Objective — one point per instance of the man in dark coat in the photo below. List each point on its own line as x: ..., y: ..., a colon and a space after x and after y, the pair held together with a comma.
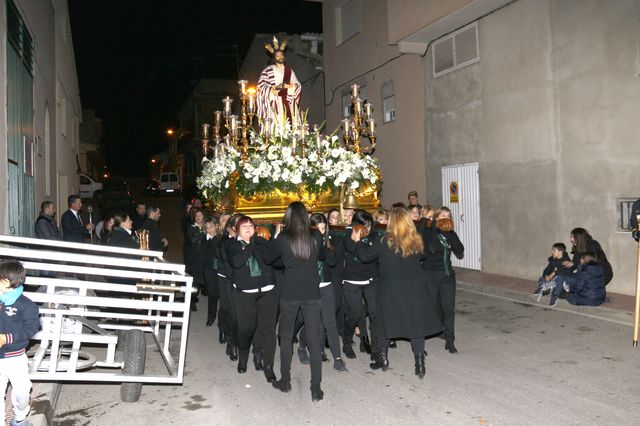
x: 156, y: 241
x: 633, y: 220
x: 46, y: 226
x: 139, y: 216
x: 73, y: 229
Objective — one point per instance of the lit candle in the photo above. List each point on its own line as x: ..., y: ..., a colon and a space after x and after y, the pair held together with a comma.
x: 251, y: 102
x: 372, y: 126
x: 243, y: 87
x: 227, y: 140
x: 217, y: 118
x: 227, y: 106
x: 233, y: 122
x: 367, y: 109
x: 355, y: 90
x: 346, y: 123
x: 266, y: 128
x: 357, y: 105
x: 304, y: 130
x: 205, y: 131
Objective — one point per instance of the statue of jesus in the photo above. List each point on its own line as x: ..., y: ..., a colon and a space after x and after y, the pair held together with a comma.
x: 278, y: 88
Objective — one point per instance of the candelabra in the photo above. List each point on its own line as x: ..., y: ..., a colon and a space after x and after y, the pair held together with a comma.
x: 362, y: 124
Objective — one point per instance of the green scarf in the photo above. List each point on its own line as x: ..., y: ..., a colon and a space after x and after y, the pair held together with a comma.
x: 254, y: 267
x: 321, y: 271
x: 448, y: 269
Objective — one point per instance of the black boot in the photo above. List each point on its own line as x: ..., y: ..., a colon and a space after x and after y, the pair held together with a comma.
x: 420, y: 369
x: 257, y: 360
x: 209, y: 321
x: 449, y: 346
x: 282, y: 385
x: 365, y: 345
x: 392, y: 344
x: 222, y: 338
x: 269, y: 374
x: 316, y: 392
x: 381, y: 362
x: 347, y: 348
x: 242, y: 362
x: 233, y: 352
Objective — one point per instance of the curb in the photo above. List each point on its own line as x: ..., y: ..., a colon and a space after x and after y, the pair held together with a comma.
x: 598, y: 312
x: 44, y: 397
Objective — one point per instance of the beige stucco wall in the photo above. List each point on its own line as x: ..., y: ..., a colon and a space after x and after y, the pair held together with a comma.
x: 549, y: 113
x: 401, y: 149
x: 405, y: 17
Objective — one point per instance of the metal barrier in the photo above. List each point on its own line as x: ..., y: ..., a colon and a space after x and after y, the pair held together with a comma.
x: 91, y: 310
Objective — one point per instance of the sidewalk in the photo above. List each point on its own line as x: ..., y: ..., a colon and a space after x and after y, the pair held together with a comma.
x: 618, y: 308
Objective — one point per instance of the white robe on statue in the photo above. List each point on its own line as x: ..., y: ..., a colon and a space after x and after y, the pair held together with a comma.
x: 285, y: 102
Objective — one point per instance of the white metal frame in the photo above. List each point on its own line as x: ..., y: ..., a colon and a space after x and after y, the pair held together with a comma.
x: 150, y: 306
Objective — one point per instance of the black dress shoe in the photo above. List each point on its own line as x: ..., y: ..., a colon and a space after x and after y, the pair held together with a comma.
x: 325, y: 358
x: 204, y: 291
x: 194, y: 307
x: 209, y: 323
x: 392, y: 344
x: 257, y: 360
x: 348, y: 351
x: 303, y: 356
x: 222, y: 338
x: 242, y: 366
x: 282, y: 385
x: 449, y: 346
x: 381, y: 362
x: 269, y: 374
x: 228, y: 351
x: 316, y: 392
x: 233, y: 354
x: 420, y: 368
x: 364, y: 342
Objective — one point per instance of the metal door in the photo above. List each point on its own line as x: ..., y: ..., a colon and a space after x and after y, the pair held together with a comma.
x: 461, y: 193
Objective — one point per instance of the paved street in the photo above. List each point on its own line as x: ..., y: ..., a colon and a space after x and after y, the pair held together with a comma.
x: 518, y: 364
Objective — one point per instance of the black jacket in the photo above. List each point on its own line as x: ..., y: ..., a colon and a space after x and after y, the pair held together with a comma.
x: 437, y: 257
x: 18, y: 322
x: 587, y: 287
x: 555, y: 265
x: 121, y: 238
x: 155, y: 238
x: 47, y: 228
x: 595, y: 247
x: 72, y: 229
x: 354, y: 269
x: 240, y: 255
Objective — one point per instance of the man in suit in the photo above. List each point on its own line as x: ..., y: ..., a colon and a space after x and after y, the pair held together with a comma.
x: 156, y: 241
x: 73, y: 228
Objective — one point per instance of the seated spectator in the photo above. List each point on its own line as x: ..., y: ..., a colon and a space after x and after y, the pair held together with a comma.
x: 586, y: 286
x: 547, y: 282
x: 582, y: 243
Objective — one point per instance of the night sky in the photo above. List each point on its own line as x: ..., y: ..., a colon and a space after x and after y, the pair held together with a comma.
x: 138, y: 60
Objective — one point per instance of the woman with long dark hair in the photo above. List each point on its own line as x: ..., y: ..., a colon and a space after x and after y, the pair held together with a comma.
x: 405, y: 306
x: 327, y: 297
x: 583, y: 242
x: 255, y: 298
x: 300, y: 249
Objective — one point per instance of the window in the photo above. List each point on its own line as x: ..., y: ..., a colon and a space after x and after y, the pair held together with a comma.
x: 624, y: 213
x: 348, y: 20
x: 18, y: 36
x: 388, y: 102
x: 456, y: 50
x: 84, y: 180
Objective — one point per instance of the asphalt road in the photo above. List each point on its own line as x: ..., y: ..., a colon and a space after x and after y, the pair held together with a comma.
x: 518, y: 364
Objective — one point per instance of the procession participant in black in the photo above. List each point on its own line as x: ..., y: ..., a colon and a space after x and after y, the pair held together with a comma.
x: 358, y: 283
x: 255, y: 297
x: 300, y: 249
x: 440, y: 240
x: 209, y: 249
x: 225, y: 284
x: 193, y: 256
x: 335, y: 237
x: 328, y: 299
x: 73, y: 229
x: 405, y: 305
x: 122, y: 234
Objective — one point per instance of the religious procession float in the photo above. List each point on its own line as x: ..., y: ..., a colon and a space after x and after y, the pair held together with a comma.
x: 260, y: 171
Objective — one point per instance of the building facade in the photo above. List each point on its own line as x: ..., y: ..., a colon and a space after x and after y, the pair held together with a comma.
x: 40, y: 111
x: 537, y: 96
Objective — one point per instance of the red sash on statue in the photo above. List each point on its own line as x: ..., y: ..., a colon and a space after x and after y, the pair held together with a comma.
x: 283, y: 92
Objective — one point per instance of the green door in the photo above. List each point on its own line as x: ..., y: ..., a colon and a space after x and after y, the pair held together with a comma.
x: 20, y: 124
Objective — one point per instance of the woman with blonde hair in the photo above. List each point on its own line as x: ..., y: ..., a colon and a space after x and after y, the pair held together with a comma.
x: 405, y: 306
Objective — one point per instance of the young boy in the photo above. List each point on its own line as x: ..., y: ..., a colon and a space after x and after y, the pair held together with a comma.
x: 547, y: 282
x: 19, y: 321
x: 586, y: 286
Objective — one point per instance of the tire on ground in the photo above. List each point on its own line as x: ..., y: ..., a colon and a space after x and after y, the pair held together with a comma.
x: 135, y: 351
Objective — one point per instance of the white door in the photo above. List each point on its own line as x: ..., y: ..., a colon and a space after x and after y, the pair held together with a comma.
x: 461, y: 193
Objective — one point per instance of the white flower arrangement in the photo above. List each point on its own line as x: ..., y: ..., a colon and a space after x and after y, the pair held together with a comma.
x: 272, y: 164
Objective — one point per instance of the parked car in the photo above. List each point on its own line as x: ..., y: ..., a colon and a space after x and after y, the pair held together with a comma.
x: 152, y: 187
x: 115, y: 197
x: 169, y: 182
x: 89, y: 188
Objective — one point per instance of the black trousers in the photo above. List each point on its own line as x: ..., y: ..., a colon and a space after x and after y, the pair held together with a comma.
x: 257, y: 312
x: 228, y: 320
x: 443, y: 290
x: 311, y: 313
x: 353, y: 295
x: 213, y: 290
x: 328, y: 310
